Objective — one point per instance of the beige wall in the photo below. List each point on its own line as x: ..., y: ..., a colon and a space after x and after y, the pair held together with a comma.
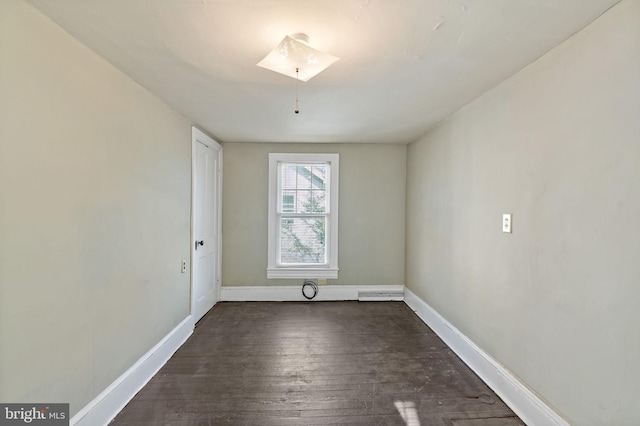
x: 371, y: 213
x: 94, y: 215
x: 557, y: 145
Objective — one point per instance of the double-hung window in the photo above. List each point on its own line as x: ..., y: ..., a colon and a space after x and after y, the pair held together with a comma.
x: 303, y: 216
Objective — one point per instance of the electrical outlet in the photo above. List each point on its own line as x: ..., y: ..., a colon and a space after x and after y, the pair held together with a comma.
x: 184, y: 266
x: 506, y: 223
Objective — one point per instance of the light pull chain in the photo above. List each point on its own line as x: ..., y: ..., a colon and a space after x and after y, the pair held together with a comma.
x: 297, y: 111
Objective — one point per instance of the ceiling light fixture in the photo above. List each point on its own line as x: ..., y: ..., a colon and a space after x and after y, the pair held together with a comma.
x: 294, y: 57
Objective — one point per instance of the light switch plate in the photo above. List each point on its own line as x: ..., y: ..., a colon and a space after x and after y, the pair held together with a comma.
x: 506, y: 222
x: 183, y: 267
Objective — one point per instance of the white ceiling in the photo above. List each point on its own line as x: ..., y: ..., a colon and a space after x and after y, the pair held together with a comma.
x: 405, y: 64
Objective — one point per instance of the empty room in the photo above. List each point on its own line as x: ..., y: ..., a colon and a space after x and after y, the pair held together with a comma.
x: 279, y: 212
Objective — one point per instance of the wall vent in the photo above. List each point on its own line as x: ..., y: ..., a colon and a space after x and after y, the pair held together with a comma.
x: 383, y: 295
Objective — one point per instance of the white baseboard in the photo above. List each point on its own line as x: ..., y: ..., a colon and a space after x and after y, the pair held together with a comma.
x: 103, y: 408
x: 528, y: 406
x: 325, y: 293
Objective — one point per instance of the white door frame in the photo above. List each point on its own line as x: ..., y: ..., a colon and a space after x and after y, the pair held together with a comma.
x: 198, y: 136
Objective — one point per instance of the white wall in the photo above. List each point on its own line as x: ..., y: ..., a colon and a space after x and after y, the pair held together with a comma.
x: 94, y: 215
x: 371, y: 213
x: 557, y: 145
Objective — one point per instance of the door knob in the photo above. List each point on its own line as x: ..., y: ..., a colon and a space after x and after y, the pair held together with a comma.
x: 199, y: 243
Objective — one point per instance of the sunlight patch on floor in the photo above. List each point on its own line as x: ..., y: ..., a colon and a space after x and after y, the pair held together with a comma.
x: 408, y: 412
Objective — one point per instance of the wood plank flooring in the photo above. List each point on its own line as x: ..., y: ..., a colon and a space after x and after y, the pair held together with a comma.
x: 315, y: 363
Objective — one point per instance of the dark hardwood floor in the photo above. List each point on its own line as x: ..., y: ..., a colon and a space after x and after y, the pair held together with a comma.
x: 320, y: 363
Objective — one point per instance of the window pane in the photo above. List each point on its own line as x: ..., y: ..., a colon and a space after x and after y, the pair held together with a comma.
x: 288, y: 201
x: 304, y: 177
x: 289, y: 176
x: 302, y: 240
x: 315, y: 202
x: 304, y: 188
x: 319, y: 176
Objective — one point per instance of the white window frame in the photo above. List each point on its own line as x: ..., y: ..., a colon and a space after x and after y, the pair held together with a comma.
x: 329, y: 270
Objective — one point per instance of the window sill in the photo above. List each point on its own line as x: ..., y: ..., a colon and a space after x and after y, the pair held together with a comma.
x: 302, y: 273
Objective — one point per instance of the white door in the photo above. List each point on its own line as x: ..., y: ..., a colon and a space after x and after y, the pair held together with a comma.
x: 206, y: 224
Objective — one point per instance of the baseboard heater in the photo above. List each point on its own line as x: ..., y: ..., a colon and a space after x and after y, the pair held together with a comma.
x: 383, y: 295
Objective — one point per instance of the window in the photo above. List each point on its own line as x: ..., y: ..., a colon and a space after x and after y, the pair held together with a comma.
x: 303, y: 216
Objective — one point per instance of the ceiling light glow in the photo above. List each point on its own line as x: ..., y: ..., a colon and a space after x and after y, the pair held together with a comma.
x: 294, y: 57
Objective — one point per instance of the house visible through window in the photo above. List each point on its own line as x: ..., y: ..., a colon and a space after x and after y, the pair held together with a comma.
x: 303, y: 219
